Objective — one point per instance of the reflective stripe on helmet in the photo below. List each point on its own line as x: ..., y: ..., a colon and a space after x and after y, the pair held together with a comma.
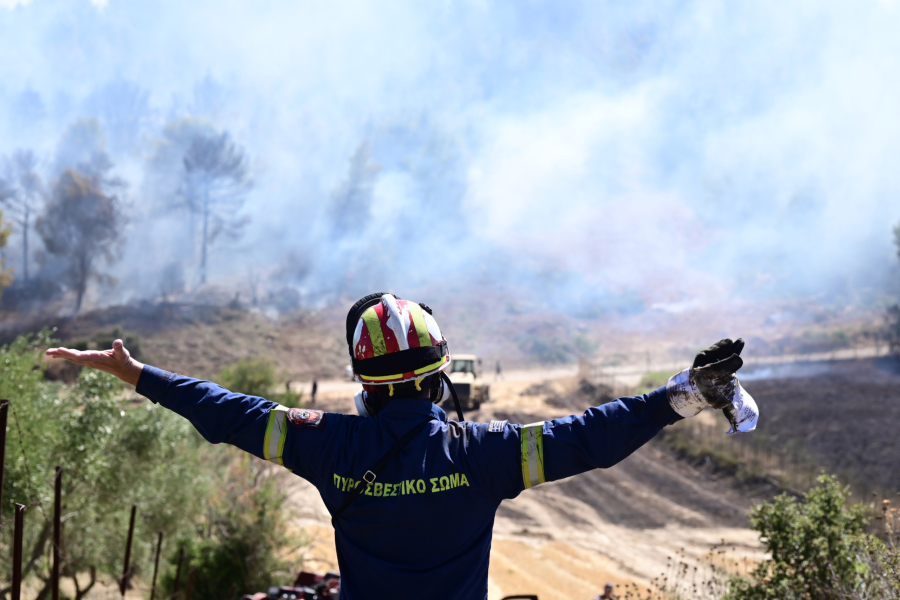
x: 276, y: 434
x: 375, y: 336
x: 418, y: 319
x: 400, y: 377
x: 533, y: 454
x: 432, y: 366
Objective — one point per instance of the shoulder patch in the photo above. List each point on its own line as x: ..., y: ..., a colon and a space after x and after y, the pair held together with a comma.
x: 304, y: 417
x: 497, y: 426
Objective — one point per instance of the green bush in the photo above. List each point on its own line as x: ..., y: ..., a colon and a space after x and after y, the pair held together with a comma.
x: 236, y: 549
x: 116, y: 453
x: 113, y: 455
x: 251, y: 376
x: 819, y: 550
x: 256, y: 377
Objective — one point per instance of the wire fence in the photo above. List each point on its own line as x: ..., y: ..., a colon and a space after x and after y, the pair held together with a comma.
x: 107, y: 590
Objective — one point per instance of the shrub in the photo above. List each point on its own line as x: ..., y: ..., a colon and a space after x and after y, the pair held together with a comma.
x: 256, y: 377
x: 250, y: 376
x: 818, y: 548
x: 117, y: 453
x: 236, y: 549
x: 113, y: 455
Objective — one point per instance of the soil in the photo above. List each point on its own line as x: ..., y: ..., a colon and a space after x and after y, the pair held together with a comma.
x: 563, y: 539
x: 842, y: 415
x: 200, y: 340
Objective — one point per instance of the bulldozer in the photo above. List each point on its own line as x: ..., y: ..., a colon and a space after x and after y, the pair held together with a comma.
x: 464, y: 372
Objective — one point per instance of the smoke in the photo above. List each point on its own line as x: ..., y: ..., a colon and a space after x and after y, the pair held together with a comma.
x: 600, y: 156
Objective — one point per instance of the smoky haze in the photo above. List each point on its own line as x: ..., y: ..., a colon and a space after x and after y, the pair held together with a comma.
x: 597, y: 156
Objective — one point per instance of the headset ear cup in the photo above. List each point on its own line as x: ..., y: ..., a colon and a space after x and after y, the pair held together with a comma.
x: 439, y: 391
x: 359, y: 400
x: 449, y: 385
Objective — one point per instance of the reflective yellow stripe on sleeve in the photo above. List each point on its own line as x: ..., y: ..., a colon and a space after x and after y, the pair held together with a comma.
x: 276, y: 434
x: 533, y: 454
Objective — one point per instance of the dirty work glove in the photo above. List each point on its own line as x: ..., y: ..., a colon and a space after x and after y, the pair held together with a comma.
x: 711, y: 381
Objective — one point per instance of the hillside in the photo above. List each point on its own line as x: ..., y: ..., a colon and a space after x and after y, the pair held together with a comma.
x: 563, y: 539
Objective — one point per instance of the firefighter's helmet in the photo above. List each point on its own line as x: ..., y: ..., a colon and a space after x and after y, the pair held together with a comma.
x: 392, y: 341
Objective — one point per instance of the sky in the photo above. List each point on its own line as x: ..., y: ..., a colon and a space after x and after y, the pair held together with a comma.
x: 609, y: 155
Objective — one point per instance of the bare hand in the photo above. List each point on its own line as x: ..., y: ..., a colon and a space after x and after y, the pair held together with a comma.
x: 116, y: 361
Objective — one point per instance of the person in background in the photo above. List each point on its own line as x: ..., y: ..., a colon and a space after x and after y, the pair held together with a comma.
x: 312, y: 395
x: 607, y: 593
x: 499, y: 373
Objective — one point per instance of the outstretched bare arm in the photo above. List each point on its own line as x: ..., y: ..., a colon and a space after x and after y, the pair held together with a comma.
x: 116, y: 361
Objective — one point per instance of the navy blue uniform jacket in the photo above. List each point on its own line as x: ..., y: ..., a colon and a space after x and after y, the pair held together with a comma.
x: 423, y: 529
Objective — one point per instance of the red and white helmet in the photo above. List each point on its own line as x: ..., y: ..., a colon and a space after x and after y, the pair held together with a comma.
x: 392, y: 341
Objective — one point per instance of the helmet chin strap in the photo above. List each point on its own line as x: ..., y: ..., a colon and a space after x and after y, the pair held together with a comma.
x: 449, y: 385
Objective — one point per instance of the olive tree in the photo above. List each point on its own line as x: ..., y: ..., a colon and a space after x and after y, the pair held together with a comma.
x: 223, y: 506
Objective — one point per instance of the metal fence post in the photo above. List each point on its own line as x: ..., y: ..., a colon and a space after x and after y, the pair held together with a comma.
x: 190, y: 587
x: 57, y: 532
x: 4, y: 413
x: 156, y: 565
x: 17, y: 553
x: 124, y: 585
x: 178, y: 572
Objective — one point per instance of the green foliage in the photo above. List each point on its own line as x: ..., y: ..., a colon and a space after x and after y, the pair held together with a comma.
x: 113, y: 455
x: 83, y: 222
x: 250, y: 376
x: 116, y: 453
x: 256, y: 377
x: 238, y: 544
x: 818, y: 547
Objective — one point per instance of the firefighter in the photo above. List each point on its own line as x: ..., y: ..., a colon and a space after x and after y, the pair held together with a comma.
x: 413, y: 494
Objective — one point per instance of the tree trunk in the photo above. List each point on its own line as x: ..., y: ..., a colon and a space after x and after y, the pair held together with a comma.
x: 81, y: 277
x: 81, y: 593
x: 205, y: 234
x: 25, y: 223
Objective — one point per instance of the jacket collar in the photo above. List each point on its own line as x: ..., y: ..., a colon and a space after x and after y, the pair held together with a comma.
x: 410, y: 406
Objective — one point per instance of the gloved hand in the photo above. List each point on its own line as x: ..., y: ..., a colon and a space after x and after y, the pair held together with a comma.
x: 711, y: 381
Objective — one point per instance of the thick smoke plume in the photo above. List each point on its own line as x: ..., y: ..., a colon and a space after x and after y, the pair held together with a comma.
x: 588, y: 156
